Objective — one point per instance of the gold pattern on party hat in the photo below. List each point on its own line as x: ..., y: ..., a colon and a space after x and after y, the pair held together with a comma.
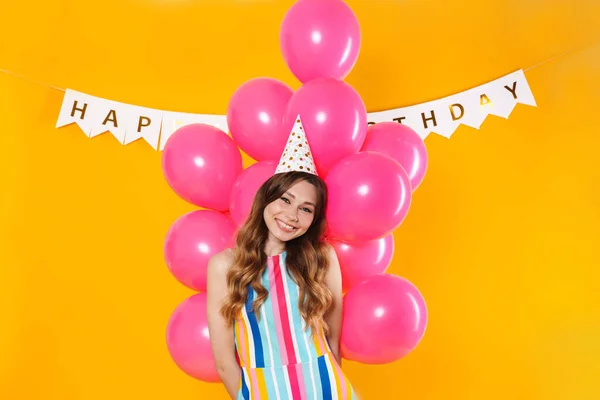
x: 297, y: 155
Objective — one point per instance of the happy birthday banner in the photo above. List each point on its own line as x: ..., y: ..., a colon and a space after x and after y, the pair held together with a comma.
x: 128, y: 123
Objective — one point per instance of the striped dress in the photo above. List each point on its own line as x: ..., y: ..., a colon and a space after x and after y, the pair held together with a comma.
x: 279, y: 359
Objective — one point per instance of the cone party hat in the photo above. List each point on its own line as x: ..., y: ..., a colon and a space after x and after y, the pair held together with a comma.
x: 297, y: 155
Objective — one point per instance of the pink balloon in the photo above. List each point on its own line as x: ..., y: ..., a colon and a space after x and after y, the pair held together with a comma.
x: 188, y: 340
x: 360, y: 261
x: 192, y: 240
x: 245, y: 188
x: 334, y: 118
x: 255, y: 117
x: 320, y: 39
x: 402, y: 144
x: 200, y: 163
x: 384, y: 319
x: 369, y: 196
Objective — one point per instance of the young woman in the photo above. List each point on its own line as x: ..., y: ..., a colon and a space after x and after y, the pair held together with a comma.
x: 275, y: 300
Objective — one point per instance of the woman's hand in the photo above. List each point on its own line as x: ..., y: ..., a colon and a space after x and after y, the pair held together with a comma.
x: 221, y: 335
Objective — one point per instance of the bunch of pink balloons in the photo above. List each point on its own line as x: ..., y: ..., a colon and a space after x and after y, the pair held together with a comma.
x: 371, y: 172
x: 201, y: 164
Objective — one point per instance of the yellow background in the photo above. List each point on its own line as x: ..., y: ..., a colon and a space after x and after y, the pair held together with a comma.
x: 500, y: 239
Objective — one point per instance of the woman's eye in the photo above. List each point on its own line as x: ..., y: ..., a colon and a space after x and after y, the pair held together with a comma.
x: 308, y: 210
x: 285, y: 200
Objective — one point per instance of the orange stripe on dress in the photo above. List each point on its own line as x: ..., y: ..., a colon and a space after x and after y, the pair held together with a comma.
x: 255, y: 390
x: 262, y: 385
x: 348, y: 389
x: 340, y: 381
x: 241, y: 350
x: 245, y: 342
x: 320, y: 346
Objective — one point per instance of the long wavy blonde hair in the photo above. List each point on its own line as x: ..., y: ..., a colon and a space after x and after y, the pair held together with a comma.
x: 306, y: 256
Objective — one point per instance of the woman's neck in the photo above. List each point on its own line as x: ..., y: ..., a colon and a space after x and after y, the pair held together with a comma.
x: 274, y: 246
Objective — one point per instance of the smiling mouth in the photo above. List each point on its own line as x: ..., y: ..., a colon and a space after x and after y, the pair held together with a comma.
x: 285, y: 227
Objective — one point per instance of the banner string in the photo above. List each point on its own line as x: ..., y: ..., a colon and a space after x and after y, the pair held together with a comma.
x: 539, y: 64
x: 4, y: 71
x: 584, y: 47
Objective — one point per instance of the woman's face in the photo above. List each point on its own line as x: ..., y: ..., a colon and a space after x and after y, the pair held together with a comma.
x: 292, y: 214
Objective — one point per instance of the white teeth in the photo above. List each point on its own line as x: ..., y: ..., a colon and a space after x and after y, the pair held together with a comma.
x: 285, y: 226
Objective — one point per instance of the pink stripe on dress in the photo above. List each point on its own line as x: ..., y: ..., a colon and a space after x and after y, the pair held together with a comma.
x: 294, y: 382
x: 273, y: 276
x: 242, y: 342
x: 283, y: 313
x: 340, y: 375
x: 300, y: 375
x: 255, y: 392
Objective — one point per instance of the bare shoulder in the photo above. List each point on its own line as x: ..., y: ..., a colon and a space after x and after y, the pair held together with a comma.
x: 220, y: 263
x: 332, y: 258
x: 331, y: 254
x: 333, y: 276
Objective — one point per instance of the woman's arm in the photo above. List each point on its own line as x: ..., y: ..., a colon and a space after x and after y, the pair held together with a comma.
x: 333, y: 280
x: 221, y: 335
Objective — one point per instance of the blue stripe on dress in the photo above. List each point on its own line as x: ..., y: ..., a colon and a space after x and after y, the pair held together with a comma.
x: 258, y: 348
x: 270, y: 340
x: 312, y: 377
x: 324, y: 375
x: 245, y: 392
x: 282, y: 383
x: 268, y: 328
x: 269, y: 375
